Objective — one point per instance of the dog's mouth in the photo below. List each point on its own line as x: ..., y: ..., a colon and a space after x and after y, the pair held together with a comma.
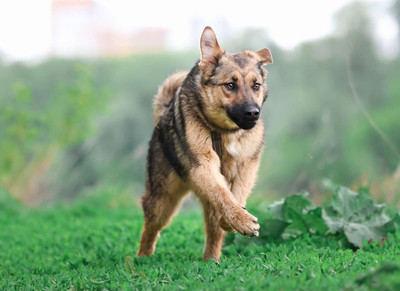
x: 244, y: 115
x: 246, y: 125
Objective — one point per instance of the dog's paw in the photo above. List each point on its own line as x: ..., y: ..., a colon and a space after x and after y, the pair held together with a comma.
x: 225, y: 225
x: 243, y: 222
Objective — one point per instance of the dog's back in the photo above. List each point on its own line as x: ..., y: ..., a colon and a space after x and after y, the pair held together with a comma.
x: 166, y: 93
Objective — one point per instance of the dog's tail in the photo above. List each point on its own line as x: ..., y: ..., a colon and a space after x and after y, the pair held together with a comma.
x: 165, y: 94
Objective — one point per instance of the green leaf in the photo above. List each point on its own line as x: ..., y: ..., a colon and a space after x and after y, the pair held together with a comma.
x: 335, y: 224
x: 385, y: 224
x: 295, y: 206
x: 358, y: 216
x: 297, y: 215
x: 273, y: 227
x: 315, y: 222
x: 353, y: 206
x: 356, y: 233
x: 352, y: 217
x: 297, y: 225
x: 277, y: 208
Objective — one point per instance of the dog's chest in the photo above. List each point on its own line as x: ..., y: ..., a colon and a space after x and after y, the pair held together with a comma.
x: 231, y: 160
x: 234, y: 149
x: 233, y: 155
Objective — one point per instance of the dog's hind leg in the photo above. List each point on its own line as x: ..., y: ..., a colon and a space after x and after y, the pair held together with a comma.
x: 214, y: 233
x: 159, y: 209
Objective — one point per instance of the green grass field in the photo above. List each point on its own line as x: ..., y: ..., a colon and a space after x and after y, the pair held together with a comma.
x: 91, y: 244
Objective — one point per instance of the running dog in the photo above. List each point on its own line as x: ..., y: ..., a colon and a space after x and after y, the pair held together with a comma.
x: 208, y: 139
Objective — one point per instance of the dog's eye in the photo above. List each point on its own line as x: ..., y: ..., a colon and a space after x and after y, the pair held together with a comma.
x: 256, y: 86
x: 230, y: 86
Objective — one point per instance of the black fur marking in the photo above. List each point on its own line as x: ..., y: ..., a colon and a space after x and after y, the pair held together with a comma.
x: 149, y: 163
x: 261, y: 71
x: 166, y: 140
x: 182, y: 136
x: 200, y: 120
x: 174, y: 122
x: 241, y: 61
x: 189, y: 85
x: 171, y: 136
x: 217, y: 144
x: 265, y: 95
x: 170, y: 102
x: 181, y: 117
x: 216, y: 61
x: 209, y: 81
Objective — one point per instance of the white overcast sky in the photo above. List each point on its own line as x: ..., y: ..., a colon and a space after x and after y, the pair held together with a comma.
x: 25, y: 25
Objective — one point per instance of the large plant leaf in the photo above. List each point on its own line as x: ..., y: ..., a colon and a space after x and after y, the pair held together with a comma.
x: 391, y: 225
x: 296, y: 224
x: 355, y: 207
x: 315, y: 222
x: 295, y: 206
x: 276, y: 209
x: 355, y: 217
x: 273, y: 227
x: 358, y: 216
x: 356, y: 233
x: 334, y: 224
x: 299, y: 215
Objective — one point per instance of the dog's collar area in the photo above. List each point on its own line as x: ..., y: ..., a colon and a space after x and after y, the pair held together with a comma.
x: 216, y: 143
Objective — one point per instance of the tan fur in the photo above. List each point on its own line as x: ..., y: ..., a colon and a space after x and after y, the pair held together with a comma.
x: 181, y: 156
x: 165, y: 93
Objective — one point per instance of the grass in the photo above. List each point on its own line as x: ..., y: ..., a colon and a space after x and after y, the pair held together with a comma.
x: 91, y: 244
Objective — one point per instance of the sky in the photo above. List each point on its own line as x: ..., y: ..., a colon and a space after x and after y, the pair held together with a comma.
x: 25, y: 25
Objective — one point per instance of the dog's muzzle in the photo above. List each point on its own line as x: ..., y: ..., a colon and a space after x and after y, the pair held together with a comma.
x: 245, y: 115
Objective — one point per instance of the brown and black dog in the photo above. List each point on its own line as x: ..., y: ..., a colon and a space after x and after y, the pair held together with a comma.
x: 208, y: 140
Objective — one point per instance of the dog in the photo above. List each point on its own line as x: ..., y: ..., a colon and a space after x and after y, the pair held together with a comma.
x: 208, y: 139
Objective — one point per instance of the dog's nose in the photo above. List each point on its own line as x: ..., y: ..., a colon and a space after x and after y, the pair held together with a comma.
x: 252, y: 113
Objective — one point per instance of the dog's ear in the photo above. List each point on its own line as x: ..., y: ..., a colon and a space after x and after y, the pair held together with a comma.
x: 265, y: 56
x: 210, y: 50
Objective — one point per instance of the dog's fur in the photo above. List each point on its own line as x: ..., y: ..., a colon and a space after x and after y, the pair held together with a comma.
x: 220, y: 97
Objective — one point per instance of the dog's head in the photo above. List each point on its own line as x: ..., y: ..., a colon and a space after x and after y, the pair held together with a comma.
x: 234, y: 85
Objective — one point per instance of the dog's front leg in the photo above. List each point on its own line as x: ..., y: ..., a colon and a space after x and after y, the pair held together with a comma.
x: 241, y: 188
x: 210, y: 185
x: 217, y: 201
x: 247, y: 171
x: 214, y: 233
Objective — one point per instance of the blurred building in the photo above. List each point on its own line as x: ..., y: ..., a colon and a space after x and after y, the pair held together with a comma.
x: 149, y: 39
x: 83, y: 28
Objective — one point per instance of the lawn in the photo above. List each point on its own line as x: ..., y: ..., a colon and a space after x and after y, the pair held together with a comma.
x: 91, y: 244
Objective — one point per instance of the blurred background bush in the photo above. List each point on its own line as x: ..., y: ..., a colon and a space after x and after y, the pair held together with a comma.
x: 79, y: 116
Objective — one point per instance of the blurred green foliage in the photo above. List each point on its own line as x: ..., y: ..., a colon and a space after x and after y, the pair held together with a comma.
x: 35, y: 130
x: 66, y: 125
